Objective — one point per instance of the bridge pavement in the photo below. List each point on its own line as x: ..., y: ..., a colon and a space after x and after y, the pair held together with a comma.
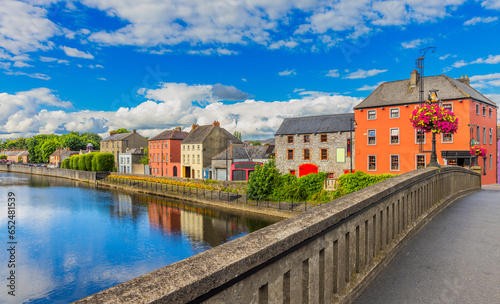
x: 454, y: 259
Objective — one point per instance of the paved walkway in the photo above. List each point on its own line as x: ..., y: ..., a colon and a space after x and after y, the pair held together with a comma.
x: 454, y: 259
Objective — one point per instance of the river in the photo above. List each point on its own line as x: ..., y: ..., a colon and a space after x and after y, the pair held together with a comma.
x: 72, y: 240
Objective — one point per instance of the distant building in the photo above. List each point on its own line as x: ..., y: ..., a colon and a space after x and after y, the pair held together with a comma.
x: 237, y: 162
x: 165, y: 152
x: 59, y: 155
x: 118, y: 143
x: 15, y: 155
x: 315, y: 144
x: 388, y: 143
x: 200, y: 145
x: 130, y: 161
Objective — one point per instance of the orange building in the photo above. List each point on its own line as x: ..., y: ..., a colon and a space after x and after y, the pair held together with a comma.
x: 165, y: 153
x: 386, y: 141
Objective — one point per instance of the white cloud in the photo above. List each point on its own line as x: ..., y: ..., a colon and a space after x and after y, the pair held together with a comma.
x: 218, y: 51
x: 485, y: 77
x: 21, y: 64
x: 363, y: 74
x: 495, y: 83
x: 32, y: 75
x: 414, y: 43
x: 102, y: 78
x: 50, y: 59
x: 96, y: 66
x: 477, y: 20
x: 333, y: 73
x: 369, y: 88
x: 171, y: 105
x: 492, y: 59
x: 444, y: 57
x: 491, y: 4
x: 72, y: 52
x: 287, y: 73
x: 494, y: 97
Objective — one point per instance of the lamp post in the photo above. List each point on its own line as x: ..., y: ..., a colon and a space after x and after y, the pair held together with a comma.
x: 353, y: 125
x: 434, y: 163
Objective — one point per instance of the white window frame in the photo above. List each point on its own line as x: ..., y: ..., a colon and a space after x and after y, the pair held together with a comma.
x: 448, y: 103
x: 390, y: 113
x: 416, y: 136
x: 491, y: 161
x: 368, y: 114
x: 390, y: 137
x: 446, y: 142
x: 390, y: 162
x: 368, y: 163
x: 416, y: 160
x: 491, y: 136
x: 368, y: 137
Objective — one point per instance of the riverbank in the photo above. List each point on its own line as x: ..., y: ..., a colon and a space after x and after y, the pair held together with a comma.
x: 226, y: 206
x: 97, y: 179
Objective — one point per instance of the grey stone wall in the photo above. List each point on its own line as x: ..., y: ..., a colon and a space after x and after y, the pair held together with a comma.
x: 326, y: 255
x: 335, y: 140
x: 57, y: 172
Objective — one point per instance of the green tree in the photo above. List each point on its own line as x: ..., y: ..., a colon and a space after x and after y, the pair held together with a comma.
x: 19, y: 159
x: 237, y: 135
x: 263, y: 180
x: 88, y: 160
x: 122, y: 130
x: 92, y: 138
x: 3, y: 156
x: 81, y: 162
x: 145, y: 159
x: 256, y: 143
x: 48, y: 147
x: 73, y: 141
x: 74, y: 160
x: 65, y: 163
x: 103, y: 162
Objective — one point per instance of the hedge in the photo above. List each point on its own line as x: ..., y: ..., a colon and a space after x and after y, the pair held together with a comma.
x: 103, y: 162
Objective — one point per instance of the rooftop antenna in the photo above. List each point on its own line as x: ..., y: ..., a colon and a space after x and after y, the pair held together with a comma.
x: 420, y: 66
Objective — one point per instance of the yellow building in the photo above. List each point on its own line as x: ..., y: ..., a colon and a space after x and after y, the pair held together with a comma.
x: 118, y: 143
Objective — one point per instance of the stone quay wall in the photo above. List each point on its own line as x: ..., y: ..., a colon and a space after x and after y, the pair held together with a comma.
x: 326, y: 255
x: 57, y: 172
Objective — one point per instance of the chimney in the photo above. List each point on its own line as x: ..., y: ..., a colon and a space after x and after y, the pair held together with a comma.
x: 134, y: 131
x: 414, y: 78
x: 178, y: 129
x: 465, y: 80
x: 216, y: 124
x: 194, y: 126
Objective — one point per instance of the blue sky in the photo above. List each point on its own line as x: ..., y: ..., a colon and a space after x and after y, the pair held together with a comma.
x: 97, y: 65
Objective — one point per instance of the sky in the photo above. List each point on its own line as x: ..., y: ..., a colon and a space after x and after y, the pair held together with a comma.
x: 151, y: 65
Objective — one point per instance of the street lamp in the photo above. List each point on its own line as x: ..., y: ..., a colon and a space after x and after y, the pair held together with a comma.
x: 353, y: 125
x: 434, y: 163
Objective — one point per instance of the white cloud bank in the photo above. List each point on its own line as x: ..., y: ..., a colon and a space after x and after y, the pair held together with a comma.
x: 40, y: 111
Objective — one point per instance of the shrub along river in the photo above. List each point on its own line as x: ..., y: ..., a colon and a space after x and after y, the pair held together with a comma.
x: 74, y: 240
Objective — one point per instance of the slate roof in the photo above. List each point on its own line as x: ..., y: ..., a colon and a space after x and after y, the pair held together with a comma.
x: 63, y: 153
x: 246, y: 152
x: 134, y: 151
x: 170, y: 134
x: 400, y: 93
x: 15, y: 152
x: 118, y: 136
x: 198, y: 135
x: 316, y: 124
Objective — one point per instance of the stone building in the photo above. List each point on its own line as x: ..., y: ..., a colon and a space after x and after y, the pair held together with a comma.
x: 237, y: 162
x: 200, y: 145
x: 118, y: 143
x: 315, y: 144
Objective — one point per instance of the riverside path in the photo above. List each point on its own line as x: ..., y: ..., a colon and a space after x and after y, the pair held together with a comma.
x: 455, y: 258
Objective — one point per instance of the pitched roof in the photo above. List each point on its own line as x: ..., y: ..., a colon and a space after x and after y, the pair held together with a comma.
x: 15, y: 152
x: 118, y: 136
x: 316, y: 124
x: 199, y: 134
x: 170, y: 134
x: 399, y: 92
x: 246, y: 152
x: 134, y: 151
x: 64, y: 153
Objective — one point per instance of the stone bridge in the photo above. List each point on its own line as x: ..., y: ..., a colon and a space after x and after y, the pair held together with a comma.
x: 327, y: 255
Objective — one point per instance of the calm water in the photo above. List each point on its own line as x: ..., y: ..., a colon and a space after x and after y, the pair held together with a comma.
x: 75, y: 240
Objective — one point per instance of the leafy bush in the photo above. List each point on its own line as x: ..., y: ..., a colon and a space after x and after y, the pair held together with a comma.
x: 263, y: 180
x: 81, y: 162
x: 3, y: 156
x: 88, y: 160
x: 74, y: 162
x: 358, y: 180
x: 65, y: 163
x: 313, y: 182
x: 103, y: 162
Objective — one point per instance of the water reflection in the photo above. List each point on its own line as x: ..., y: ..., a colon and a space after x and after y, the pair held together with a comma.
x: 76, y: 240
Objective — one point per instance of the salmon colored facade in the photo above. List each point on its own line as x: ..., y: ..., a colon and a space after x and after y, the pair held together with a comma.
x: 386, y: 141
x: 165, y: 153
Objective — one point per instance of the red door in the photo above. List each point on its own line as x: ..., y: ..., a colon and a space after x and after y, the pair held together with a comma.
x: 307, y: 169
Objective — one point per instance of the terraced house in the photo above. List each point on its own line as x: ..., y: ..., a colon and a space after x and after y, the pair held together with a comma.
x: 165, y: 152
x: 315, y: 144
x: 118, y: 143
x: 200, y: 145
x: 388, y: 143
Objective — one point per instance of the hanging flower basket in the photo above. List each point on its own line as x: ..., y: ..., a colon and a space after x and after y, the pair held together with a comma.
x: 478, y: 151
x: 432, y: 118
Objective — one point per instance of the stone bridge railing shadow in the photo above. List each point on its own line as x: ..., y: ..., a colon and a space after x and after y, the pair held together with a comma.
x: 326, y: 255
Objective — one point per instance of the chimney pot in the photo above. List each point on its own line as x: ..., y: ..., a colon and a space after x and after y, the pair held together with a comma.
x: 178, y: 129
x: 216, y: 124
x: 135, y: 131
x: 194, y: 126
